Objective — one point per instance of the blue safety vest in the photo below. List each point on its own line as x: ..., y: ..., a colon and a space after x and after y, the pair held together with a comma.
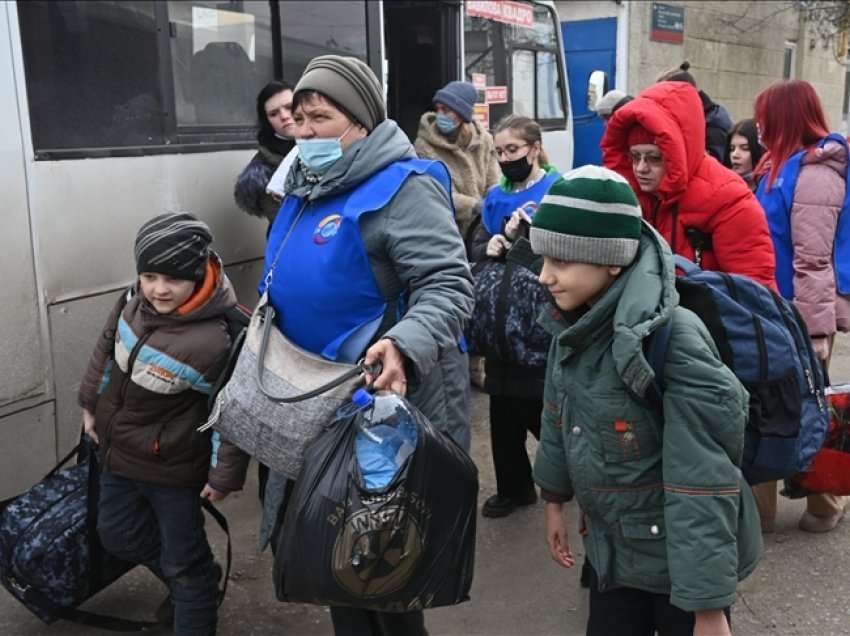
x: 323, y: 289
x: 499, y: 205
x: 777, y: 204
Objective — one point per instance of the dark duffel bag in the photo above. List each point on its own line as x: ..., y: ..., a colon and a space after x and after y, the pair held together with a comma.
x: 51, y: 559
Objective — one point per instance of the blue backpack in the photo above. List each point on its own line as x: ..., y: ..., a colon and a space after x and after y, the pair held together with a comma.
x: 762, y: 338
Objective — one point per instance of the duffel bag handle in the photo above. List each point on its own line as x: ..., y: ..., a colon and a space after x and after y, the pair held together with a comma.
x: 361, y: 367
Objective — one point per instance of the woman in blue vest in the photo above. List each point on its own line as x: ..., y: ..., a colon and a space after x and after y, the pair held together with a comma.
x: 508, y: 301
x: 803, y: 190
x: 372, y: 263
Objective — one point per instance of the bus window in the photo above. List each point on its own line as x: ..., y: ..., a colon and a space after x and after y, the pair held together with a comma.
x: 309, y: 28
x: 522, y: 73
x: 125, y: 77
x: 91, y: 73
x: 221, y: 56
x: 515, y: 44
x: 549, y: 104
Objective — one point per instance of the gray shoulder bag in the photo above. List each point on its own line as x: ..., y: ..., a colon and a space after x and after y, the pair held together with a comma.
x: 279, y: 396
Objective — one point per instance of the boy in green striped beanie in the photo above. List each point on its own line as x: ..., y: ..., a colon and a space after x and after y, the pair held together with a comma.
x: 668, y: 523
x: 587, y: 228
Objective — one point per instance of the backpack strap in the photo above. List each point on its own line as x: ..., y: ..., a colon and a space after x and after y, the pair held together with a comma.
x: 700, y: 241
x: 656, y: 345
x: 685, y: 265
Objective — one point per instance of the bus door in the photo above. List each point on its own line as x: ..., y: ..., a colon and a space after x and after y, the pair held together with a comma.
x: 513, y: 55
x: 422, y: 50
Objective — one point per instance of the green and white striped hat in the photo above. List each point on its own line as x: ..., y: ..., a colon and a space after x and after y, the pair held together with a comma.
x: 590, y: 215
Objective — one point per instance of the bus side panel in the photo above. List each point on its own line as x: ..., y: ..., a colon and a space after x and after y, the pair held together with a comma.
x: 28, y: 450
x: 75, y: 326
x: 24, y: 374
x: 86, y: 213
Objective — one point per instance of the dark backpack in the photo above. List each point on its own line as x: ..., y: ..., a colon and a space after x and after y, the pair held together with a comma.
x: 762, y: 338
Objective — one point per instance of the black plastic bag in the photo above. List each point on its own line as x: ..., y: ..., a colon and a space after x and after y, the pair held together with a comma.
x: 409, y: 546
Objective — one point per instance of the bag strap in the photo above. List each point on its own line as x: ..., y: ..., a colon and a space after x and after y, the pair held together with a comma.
x: 685, y: 265
x: 656, y: 346
x: 103, y: 621
x: 268, y: 325
x: 221, y: 520
x: 268, y: 280
x: 64, y: 460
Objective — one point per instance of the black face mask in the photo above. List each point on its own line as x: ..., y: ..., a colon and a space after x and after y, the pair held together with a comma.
x: 517, y: 170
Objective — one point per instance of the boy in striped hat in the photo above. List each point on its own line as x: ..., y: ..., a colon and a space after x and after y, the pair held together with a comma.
x: 669, y: 523
x: 145, y: 392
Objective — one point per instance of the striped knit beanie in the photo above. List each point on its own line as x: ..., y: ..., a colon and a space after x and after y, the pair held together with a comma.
x: 177, y: 245
x: 590, y: 215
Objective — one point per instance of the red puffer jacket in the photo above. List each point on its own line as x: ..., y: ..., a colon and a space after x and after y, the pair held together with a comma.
x: 697, y: 192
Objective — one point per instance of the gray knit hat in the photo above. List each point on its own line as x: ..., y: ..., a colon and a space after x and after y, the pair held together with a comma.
x: 590, y: 215
x: 177, y: 245
x: 459, y: 96
x: 350, y: 83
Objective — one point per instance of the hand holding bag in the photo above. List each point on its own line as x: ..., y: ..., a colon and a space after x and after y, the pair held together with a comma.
x: 279, y: 396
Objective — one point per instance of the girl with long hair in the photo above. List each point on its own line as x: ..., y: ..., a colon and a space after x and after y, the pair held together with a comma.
x: 802, y: 188
x: 743, y: 151
x: 275, y: 132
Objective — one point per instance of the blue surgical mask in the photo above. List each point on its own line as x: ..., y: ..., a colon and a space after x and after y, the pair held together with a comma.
x: 446, y: 123
x: 320, y: 154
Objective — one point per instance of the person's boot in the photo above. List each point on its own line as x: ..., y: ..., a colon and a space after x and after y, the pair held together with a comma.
x: 812, y: 523
x: 499, y: 506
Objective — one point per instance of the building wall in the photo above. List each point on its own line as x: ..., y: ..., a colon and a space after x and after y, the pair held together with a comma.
x: 735, y: 50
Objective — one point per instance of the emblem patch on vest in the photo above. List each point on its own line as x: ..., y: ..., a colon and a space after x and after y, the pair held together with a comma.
x: 327, y: 229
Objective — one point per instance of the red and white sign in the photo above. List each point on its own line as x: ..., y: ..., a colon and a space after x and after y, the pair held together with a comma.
x: 507, y: 11
x: 496, y: 95
x: 479, y: 81
x: 481, y: 114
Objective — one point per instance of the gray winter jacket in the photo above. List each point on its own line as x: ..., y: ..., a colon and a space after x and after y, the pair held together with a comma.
x: 412, y: 244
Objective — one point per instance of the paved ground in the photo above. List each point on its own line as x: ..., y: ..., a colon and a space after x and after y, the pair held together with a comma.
x: 800, y: 589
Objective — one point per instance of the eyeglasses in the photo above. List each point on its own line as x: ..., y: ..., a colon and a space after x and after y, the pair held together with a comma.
x: 651, y: 158
x: 508, y: 151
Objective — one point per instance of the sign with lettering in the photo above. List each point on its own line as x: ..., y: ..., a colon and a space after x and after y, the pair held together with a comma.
x: 496, y: 95
x: 668, y: 23
x: 481, y: 114
x: 479, y: 81
x: 507, y: 11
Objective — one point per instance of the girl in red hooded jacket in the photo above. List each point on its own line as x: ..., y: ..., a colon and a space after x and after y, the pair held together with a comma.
x: 703, y: 210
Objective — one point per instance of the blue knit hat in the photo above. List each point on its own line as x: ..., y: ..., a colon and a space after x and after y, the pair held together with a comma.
x: 459, y: 96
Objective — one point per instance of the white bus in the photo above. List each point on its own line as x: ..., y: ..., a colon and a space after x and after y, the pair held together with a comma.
x: 114, y: 111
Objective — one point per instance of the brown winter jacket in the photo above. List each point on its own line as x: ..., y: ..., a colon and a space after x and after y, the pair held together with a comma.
x: 818, y: 198
x: 148, y: 382
x: 470, y: 159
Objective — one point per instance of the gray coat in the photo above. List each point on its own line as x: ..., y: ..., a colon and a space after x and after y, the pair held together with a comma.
x: 413, y: 244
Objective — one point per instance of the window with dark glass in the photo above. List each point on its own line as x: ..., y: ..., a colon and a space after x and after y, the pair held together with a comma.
x: 309, y: 28
x: 129, y: 76
x: 92, y: 74
x: 221, y: 56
